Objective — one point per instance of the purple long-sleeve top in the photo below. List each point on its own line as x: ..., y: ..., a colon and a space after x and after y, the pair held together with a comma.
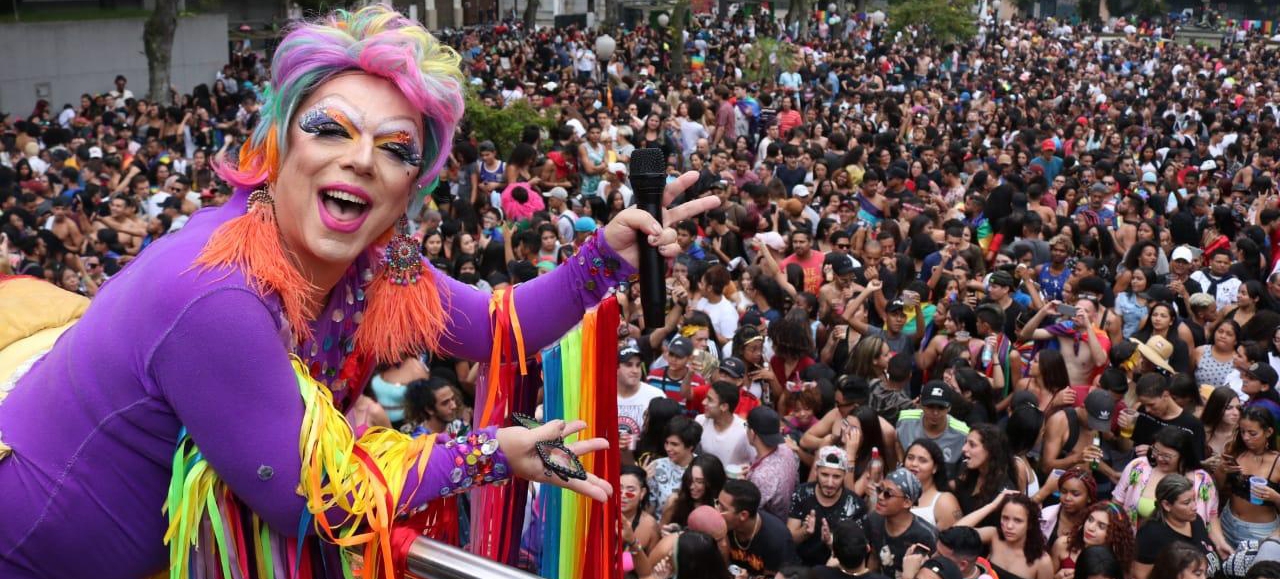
x: 94, y: 424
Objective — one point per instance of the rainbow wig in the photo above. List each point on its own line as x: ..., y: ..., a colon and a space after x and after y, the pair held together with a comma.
x: 376, y: 40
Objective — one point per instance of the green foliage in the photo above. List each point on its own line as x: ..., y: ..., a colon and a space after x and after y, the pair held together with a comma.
x: 503, y: 125
x: 768, y: 59
x: 943, y: 20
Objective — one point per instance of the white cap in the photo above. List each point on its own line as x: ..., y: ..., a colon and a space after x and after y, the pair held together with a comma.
x: 616, y: 168
x: 800, y: 191
x: 1182, y: 252
x: 95, y: 152
x: 558, y: 193
x: 773, y: 240
x: 1209, y: 166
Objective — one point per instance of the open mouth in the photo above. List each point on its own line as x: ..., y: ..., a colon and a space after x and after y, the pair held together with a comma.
x: 344, y: 208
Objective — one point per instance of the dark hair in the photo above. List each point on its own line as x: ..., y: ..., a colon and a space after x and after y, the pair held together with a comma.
x: 713, y: 480
x: 1263, y: 570
x: 939, y: 461
x: 635, y: 471
x: 746, y: 496
x: 1098, y: 561
x: 727, y: 393
x: 420, y: 398
x: 1260, y: 415
x: 698, y: 555
x: 1023, y: 427
x: 964, y: 542
x: 1120, y: 539
x: 1216, y: 407
x: 1053, y: 369
x: 1152, y: 384
x: 1176, y: 557
x: 998, y: 467
x: 686, y: 430
x: 1033, y: 543
x: 872, y: 436
x: 979, y: 389
x: 849, y: 544
x: 991, y: 315
x: 661, y: 412
x: 1181, y: 441
x: 964, y: 317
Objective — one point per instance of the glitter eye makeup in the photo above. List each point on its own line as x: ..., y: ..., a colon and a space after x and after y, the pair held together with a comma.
x: 327, y: 120
x: 403, y: 145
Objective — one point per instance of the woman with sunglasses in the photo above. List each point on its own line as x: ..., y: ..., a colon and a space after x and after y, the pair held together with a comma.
x: 1172, y: 453
x: 634, y: 493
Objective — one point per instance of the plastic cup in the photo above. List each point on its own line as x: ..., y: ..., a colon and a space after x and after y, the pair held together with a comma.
x: 1256, y: 483
x: 734, y: 470
x: 1127, y: 431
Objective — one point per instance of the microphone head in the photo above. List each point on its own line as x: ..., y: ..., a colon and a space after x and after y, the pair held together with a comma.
x: 648, y: 161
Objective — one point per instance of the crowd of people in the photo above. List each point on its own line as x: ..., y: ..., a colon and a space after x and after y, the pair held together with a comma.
x: 1004, y: 308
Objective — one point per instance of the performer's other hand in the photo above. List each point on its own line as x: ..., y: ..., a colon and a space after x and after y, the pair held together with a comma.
x: 518, y: 444
x: 620, y: 233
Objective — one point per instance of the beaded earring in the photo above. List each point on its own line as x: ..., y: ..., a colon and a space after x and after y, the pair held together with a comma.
x: 405, y: 314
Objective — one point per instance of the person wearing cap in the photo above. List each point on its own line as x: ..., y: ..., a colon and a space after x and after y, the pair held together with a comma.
x: 633, y: 396
x: 818, y: 507
x: 583, y: 228
x: 1259, y: 383
x: 615, y: 181
x: 724, y: 433
x: 734, y: 371
x: 758, y: 540
x: 851, y: 552
x: 565, y: 218
x: 833, y: 293
x: 892, y: 529
x: 776, y: 466
x: 1051, y: 164
x: 1069, y: 436
x: 677, y: 377
x: 895, y: 318
x: 933, y: 421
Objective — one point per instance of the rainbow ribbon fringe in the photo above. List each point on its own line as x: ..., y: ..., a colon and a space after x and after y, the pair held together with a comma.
x: 582, y: 538
x: 356, y: 482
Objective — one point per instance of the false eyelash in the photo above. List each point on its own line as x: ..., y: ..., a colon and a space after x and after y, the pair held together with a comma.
x: 404, y: 153
x: 317, y: 121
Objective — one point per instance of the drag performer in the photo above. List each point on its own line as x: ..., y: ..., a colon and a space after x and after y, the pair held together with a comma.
x: 191, y: 421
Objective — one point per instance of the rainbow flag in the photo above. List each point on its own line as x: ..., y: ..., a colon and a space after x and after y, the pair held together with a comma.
x: 697, y: 62
x: 581, y: 538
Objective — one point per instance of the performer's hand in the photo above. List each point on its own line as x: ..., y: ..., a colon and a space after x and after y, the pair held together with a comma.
x: 518, y: 444
x: 620, y: 233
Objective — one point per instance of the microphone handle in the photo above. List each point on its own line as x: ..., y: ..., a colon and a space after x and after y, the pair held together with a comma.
x: 653, y: 289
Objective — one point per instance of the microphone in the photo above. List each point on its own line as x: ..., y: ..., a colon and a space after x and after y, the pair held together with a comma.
x: 648, y: 178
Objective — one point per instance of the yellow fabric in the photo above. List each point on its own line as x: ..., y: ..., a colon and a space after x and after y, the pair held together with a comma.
x: 20, y: 353
x: 28, y: 305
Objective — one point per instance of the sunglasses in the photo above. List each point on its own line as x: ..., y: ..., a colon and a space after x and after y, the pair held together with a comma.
x: 842, y: 246
x: 557, y: 457
x: 885, y: 493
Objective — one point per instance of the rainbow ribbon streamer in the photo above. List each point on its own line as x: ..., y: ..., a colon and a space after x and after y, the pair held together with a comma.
x: 582, y: 538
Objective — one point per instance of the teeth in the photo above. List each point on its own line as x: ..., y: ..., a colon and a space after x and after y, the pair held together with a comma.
x: 344, y: 196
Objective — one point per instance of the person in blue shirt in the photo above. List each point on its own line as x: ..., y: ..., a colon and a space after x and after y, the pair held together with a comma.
x: 1051, y: 164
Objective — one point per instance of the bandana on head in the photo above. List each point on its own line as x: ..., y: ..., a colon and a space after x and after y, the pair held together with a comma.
x: 906, y: 481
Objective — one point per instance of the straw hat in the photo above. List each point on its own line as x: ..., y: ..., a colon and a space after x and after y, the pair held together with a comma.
x: 1156, y: 350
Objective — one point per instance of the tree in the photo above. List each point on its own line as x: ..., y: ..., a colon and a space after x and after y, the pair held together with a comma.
x: 503, y: 125
x: 675, y: 34
x: 942, y: 20
x: 768, y: 59
x: 531, y: 15
x: 157, y: 40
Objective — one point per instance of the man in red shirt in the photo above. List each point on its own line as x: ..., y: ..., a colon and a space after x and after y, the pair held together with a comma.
x: 803, y: 254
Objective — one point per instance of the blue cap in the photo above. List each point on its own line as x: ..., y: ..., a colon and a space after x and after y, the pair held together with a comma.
x: 584, y: 225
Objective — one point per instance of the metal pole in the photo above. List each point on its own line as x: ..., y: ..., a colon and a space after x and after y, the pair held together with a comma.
x: 434, y: 560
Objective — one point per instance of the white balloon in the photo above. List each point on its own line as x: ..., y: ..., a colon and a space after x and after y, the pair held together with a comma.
x: 605, y: 45
x: 663, y: 20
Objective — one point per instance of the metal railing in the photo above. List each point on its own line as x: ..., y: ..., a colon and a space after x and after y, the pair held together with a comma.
x: 434, y: 560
